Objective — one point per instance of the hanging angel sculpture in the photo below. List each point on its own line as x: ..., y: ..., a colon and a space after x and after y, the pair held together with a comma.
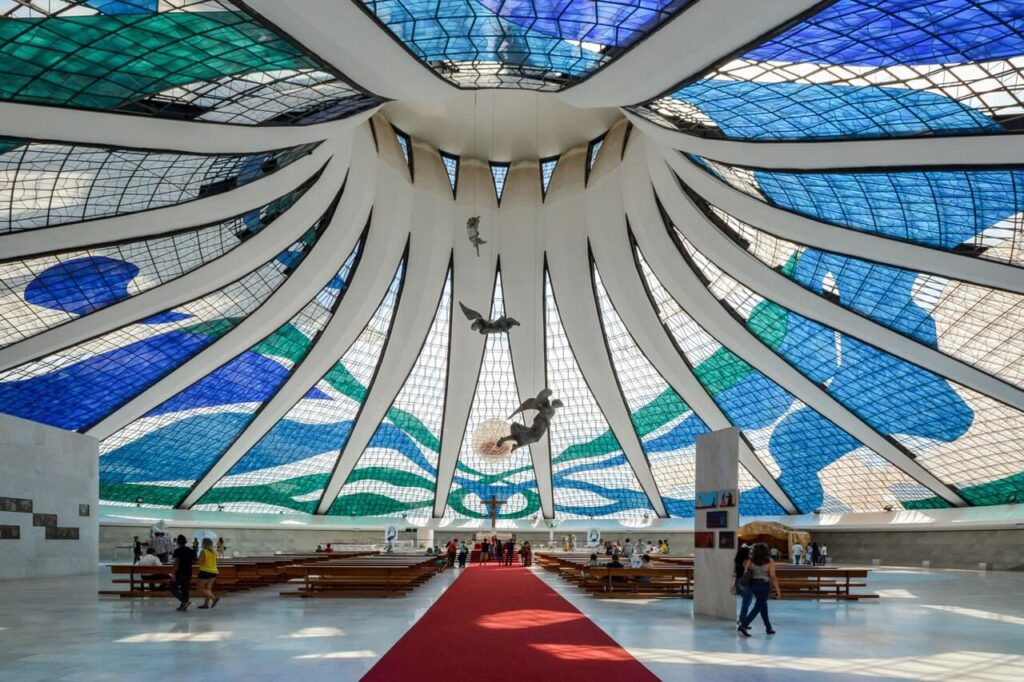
x: 525, y: 435
x: 473, y: 230
x: 500, y: 325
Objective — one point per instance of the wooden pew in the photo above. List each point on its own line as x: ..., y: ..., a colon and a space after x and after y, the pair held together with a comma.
x: 381, y: 576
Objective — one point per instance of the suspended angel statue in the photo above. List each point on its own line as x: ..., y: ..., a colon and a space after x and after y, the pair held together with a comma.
x: 525, y: 435
x: 473, y: 230
x: 498, y: 326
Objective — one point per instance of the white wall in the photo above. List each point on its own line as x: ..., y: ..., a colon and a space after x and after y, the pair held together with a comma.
x: 58, y: 471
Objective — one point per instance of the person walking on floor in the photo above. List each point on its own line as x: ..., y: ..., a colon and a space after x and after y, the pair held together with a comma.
x: 510, y: 552
x: 136, y: 550
x: 797, y: 550
x: 485, y: 551
x: 463, y: 553
x: 527, y: 553
x: 763, y: 581
x: 207, y: 574
x: 499, y: 551
x: 452, y: 549
x: 743, y: 591
x: 183, y: 560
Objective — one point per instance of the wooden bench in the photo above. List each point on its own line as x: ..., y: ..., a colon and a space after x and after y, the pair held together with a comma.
x: 374, y: 577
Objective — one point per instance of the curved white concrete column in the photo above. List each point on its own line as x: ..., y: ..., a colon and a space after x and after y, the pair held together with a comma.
x: 703, y: 33
x: 335, y: 244
x: 472, y: 283
x: 209, y: 277
x: 157, y: 221
x: 521, y: 244
x: 430, y: 248
x: 341, y: 33
x: 684, y: 285
x: 979, y: 150
x: 751, y: 272
x: 847, y: 241
x: 571, y: 278
x: 107, y: 129
x: 370, y: 281
x: 616, y: 262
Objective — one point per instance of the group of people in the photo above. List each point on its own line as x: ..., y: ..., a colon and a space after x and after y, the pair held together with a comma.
x: 627, y: 549
x: 162, y: 547
x: 812, y: 555
x: 184, y: 558
x: 504, y: 552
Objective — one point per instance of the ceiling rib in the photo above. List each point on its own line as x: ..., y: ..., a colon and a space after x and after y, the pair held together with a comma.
x: 571, y: 279
x: 691, y: 42
x: 614, y: 254
x: 473, y: 284
x: 731, y: 257
x: 521, y: 244
x: 379, y: 260
x: 204, y: 279
x: 683, y: 284
x: 339, y: 237
x: 411, y: 324
x: 816, y: 234
x: 157, y: 221
x: 108, y: 129
x: 913, y: 152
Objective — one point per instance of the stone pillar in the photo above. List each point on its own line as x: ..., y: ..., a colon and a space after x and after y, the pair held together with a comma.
x: 717, y: 501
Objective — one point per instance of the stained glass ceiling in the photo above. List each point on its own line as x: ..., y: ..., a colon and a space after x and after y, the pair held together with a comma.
x: 265, y: 316
x: 531, y: 44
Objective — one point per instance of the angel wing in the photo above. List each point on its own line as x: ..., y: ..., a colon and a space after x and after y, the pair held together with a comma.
x: 528, y: 404
x: 544, y: 395
x: 470, y: 313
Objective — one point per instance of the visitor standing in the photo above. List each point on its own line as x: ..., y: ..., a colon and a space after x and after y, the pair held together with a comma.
x: 527, y: 553
x: 463, y: 553
x: 824, y: 555
x: 183, y: 560
x: 815, y: 554
x: 763, y: 581
x: 485, y: 551
x: 627, y: 548
x: 136, y: 550
x: 162, y: 545
x: 510, y: 552
x: 797, y: 550
x: 453, y: 550
x: 195, y: 547
x: 207, y: 574
x: 222, y: 549
x: 742, y: 590
x: 499, y: 551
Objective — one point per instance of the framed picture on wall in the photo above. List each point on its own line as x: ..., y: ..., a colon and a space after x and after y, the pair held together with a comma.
x: 727, y: 498
x: 706, y: 499
x: 83, y: 510
x: 704, y: 540
x: 718, y: 519
x: 727, y: 540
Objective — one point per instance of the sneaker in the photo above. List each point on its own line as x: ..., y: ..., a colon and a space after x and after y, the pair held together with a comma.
x: 770, y: 631
x: 184, y: 606
x: 216, y: 599
x: 742, y: 630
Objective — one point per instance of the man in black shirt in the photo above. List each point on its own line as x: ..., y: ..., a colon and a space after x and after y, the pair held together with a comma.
x: 184, y: 557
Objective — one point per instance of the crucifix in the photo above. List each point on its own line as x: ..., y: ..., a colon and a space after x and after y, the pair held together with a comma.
x: 493, y: 504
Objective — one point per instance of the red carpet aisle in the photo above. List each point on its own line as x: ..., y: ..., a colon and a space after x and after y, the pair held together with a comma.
x: 497, y: 623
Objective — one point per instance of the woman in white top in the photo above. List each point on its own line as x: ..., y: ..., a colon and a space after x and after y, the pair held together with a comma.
x: 763, y: 582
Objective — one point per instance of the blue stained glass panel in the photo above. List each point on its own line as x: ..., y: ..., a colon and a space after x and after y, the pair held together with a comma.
x: 886, y: 32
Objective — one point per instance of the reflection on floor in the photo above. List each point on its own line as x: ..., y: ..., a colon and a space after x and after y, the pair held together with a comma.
x: 929, y: 625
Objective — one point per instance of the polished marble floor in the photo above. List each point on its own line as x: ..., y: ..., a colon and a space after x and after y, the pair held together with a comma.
x: 929, y: 625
